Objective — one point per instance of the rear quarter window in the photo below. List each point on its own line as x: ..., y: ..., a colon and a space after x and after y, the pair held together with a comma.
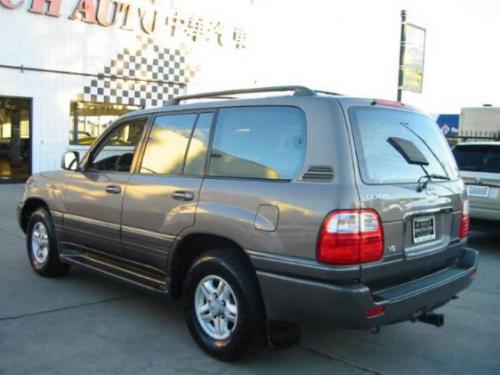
x: 259, y: 142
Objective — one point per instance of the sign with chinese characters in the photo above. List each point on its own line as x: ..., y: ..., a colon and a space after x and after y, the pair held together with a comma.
x: 148, y: 19
x: 413, y: 59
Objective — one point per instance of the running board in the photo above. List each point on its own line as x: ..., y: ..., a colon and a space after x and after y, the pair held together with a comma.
x: 135, y: 275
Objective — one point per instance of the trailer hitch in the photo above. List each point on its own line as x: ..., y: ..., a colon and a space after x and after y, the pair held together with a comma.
x: 432, y: 318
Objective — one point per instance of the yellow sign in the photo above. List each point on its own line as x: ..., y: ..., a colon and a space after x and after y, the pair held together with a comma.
x: 413, y: 60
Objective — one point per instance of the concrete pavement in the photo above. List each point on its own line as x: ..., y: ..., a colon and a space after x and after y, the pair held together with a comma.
x: 89, y: 324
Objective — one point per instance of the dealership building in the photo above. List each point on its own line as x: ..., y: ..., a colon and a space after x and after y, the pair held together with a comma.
x: 69, y: 68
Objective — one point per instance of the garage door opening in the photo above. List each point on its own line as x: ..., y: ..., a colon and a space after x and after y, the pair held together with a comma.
x: 15, y: 139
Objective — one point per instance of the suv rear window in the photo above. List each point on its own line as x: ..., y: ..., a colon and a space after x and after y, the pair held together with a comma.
x: 259, y: 142
x: 380, y: 162
x: 478, y: 158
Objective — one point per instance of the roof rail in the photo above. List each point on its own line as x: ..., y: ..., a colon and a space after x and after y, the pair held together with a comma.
x: 297, y: 91
x: 327, y: 92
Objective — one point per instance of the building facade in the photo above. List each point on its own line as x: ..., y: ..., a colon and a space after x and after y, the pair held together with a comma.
x: 69, y: 68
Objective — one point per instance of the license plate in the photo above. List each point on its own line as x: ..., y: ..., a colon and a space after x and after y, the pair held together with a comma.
x: 424, y: 229
x: 478, y: 191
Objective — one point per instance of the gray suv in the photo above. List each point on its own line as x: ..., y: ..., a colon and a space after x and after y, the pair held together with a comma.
x: 264, y: 212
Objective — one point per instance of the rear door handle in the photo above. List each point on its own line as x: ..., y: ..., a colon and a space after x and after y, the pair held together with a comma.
x: 183, y: 196
x: 113, y: 189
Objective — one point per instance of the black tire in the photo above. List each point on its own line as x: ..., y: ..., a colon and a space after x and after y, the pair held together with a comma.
x: 249, y: 331
x: 51, y: 266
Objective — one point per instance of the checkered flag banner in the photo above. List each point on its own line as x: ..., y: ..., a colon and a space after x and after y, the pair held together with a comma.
x: 147, y: 77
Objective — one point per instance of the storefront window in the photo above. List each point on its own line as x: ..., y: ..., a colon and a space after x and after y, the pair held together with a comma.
x: 15, y: 141
x: 90, y: 120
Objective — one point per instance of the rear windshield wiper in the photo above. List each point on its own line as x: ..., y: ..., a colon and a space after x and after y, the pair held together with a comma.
x: 424, y: 180
x: 410, y: 152
x: 441, y: 164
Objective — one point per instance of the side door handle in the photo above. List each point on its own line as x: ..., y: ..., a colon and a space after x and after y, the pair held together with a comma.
x: 183, y: 196
x: 113, y: 189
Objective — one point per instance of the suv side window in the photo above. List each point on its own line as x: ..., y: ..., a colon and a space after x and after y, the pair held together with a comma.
x: 167, y: 144
x: 259, y: 142
x: 117, y: 151
x: 198, y: 146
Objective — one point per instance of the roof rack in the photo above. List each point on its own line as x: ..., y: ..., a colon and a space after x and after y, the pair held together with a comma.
x: 297, y: 91
x: 327, y: 92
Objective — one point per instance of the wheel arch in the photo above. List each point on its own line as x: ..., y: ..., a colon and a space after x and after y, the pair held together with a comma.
x: 187, y: 249
x: 30, y: 206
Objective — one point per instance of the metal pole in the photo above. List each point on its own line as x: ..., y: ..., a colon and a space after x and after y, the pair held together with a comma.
x: 401, y: 55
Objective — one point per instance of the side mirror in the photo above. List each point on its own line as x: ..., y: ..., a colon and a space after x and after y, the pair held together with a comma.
x: 71, y: 161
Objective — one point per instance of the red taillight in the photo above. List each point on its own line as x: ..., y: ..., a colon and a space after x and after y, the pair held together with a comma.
x: 375, y: 311
x: 464, y: 220
x: 351, y: 237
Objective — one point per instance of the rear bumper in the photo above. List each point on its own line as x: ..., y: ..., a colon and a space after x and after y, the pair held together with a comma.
x: 481, y: 213
x: 316, y: 303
